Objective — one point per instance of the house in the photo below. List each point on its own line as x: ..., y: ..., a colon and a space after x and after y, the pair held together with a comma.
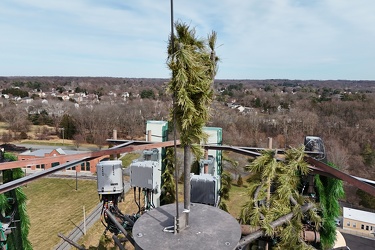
x: 89, y: 166
x: 125, y: 95
x: 249, y: 110
x: 359, y: 221
x: 78, y: 98
x: 65, y: 97
x: 240, y: 108
x: 27, y: 100
x: 111, y: 93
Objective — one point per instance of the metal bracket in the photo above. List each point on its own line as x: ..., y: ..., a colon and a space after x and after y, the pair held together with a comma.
x: 179, y: 224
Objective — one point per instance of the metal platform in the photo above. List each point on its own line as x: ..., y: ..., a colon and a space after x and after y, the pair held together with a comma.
x: 209, y: 228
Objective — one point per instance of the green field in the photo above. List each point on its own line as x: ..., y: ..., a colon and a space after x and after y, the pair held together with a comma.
x: 55, y: 206
x: 128, y: 158
x: 238, y: 197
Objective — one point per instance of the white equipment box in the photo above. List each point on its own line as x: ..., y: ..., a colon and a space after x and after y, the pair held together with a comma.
x: 110, y: 177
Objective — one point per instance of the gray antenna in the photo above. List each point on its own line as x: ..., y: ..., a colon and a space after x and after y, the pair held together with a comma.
x: 176, y: 226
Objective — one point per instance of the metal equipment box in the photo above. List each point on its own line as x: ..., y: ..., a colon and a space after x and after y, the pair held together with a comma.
x: 204, y: 189
x: 145, y: 174
x: 211, y: 165
x: 110, y: 177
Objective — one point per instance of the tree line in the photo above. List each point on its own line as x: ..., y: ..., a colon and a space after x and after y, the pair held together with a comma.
x: 284, y: 110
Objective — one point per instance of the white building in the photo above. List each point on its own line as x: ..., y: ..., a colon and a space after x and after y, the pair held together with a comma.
x: 359, y: 221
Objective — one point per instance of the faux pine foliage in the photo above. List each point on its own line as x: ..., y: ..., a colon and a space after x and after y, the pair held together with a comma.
x: 168, y: 187
x: 226, y: 184
x: 192, y: 62
x: 273, y: 193
x: 330, y: 190
x: 18, y: 239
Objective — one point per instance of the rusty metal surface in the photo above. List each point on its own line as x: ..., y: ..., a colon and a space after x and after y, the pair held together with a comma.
x: 95, y: 154
x: 24, y: 180
x: 327, y: 170
x: 71, y: 160
x: 239, y: 150
x: 316, y: 166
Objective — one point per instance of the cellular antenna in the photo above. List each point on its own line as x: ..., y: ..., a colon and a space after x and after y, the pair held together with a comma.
x: 176, y: 226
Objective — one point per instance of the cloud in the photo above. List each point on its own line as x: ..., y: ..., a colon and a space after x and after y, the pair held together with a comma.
x: 81, y: 30
x: 257, y: 39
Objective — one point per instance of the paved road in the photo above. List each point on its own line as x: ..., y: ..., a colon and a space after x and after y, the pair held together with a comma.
x: 357, y: 242
x: 77, y: 232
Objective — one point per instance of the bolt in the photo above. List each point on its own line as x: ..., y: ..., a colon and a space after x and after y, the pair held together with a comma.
x: 139, y: 234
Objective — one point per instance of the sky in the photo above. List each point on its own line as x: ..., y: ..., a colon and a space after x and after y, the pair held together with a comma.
x: 257, y: 39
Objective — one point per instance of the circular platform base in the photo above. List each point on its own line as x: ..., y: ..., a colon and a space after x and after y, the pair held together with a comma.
x: 209, y: 228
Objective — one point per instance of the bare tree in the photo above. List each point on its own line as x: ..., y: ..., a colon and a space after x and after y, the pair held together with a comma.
x: 42, y: 133
x: 6, y: 137
x: 337, y: 154
x: 16, y: 119
x: 78, y: 140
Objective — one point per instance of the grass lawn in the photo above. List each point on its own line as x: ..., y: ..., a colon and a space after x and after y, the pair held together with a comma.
x: 237, y: 199
x: 128, y: 158
x: 55, y: 206
x: 3, y: 127
x: 56, y: 142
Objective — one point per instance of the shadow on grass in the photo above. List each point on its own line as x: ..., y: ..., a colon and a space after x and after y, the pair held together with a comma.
x: 72, y: 187
x: 236, y: 185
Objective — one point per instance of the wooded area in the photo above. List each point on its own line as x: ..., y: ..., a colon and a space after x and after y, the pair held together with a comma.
x: 249, y: 111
